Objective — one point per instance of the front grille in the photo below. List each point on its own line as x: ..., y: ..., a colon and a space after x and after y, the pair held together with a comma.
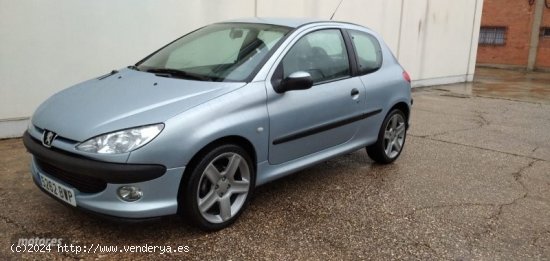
x: 83, y: 183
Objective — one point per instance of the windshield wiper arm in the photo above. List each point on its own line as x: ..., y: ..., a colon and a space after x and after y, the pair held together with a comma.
x: 178, y: 73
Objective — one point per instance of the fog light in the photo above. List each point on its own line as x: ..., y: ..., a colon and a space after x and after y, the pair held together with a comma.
x: 129, y: 193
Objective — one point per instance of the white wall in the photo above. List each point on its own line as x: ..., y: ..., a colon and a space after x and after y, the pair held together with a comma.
x: 439, y: 40
x: 46, y: 46
x: 435, y: 40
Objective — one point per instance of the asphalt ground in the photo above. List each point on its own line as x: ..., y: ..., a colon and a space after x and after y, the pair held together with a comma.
x: 473, y: 183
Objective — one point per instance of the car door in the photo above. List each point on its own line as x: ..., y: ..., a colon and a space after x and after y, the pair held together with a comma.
x: 303, y: 122
x: 377, y: 81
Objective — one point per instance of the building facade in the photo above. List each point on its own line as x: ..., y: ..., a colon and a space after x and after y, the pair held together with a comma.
x: 515, y: 33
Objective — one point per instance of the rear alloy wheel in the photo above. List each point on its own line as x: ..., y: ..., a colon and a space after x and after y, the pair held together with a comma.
x: 219, y: 188
x: 391, y: 138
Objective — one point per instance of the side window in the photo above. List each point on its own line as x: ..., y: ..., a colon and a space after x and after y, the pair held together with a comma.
x: 367, y: 48
x: 321, y: 53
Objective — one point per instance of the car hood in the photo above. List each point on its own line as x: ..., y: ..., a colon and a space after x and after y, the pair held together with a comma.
x: 123, y: 100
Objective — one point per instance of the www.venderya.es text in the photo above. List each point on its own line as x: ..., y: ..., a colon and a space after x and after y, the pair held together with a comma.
x: 98, y: 248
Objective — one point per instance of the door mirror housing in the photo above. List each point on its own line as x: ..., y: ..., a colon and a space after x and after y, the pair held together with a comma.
x: 295, y: 81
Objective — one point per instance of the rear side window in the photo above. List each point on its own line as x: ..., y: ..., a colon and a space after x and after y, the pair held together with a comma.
x: 369, y: 53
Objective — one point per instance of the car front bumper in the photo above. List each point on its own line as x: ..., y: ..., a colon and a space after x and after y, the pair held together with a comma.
x: 95, y: 183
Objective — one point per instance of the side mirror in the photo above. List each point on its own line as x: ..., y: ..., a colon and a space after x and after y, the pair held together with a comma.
x: 295, y: 81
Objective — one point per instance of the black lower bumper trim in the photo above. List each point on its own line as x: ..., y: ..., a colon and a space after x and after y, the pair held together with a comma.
x: 88, y: 168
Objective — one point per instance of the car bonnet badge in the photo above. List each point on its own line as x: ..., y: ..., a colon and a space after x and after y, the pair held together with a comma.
x: 48, y: 137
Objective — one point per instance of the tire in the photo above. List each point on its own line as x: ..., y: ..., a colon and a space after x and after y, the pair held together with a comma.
x: 218, y: 188
x: 391, y: 138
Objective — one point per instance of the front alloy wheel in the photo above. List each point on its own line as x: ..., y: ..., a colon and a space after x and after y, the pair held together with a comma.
x: 219, y: 187
x: 223, y: 187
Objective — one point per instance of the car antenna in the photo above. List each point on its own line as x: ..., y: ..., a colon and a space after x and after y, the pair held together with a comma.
x: 332, y: 16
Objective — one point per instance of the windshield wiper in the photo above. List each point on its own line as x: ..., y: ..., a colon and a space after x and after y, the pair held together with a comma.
x: 133, y: 67
x: 166, y: 72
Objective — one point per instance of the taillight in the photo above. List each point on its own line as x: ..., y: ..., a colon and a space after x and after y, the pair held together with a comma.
x: 406, y: 76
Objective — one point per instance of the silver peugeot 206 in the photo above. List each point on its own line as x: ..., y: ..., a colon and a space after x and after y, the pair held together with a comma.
x: 194, y: 127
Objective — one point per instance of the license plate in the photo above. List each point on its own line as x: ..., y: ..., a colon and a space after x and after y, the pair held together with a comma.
x: 58, y: 190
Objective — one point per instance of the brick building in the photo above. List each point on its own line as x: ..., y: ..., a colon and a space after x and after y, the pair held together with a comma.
x: 510, y: 31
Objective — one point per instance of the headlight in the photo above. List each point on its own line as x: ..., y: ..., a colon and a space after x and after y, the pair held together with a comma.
x: 121, y: 141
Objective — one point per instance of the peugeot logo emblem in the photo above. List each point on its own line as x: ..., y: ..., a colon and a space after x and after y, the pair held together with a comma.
x: 48, y: 138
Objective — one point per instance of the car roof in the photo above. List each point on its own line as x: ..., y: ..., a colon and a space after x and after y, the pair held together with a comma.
x: 288, y: 22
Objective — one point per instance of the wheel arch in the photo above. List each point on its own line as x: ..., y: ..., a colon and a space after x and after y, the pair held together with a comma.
x: 404, y: 107
x: 233, y: 139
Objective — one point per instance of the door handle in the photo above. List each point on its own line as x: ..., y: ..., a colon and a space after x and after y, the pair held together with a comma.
x: 355, y: 95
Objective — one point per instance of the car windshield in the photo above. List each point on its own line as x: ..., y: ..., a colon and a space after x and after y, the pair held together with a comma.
x: 218, y: 52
